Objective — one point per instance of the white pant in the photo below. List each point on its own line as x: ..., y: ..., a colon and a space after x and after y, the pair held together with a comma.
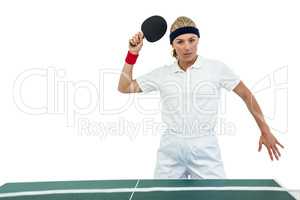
x: 189, y: 157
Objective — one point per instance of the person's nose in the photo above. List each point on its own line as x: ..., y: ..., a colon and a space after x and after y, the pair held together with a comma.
x: 186, y: 46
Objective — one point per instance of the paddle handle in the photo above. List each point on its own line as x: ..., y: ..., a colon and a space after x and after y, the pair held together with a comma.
x: 132, y: 45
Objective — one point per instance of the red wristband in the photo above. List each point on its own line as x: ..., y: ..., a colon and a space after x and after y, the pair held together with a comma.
x: 131, y: 58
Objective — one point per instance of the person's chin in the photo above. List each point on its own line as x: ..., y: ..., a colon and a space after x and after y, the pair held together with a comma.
x: 189, y: 57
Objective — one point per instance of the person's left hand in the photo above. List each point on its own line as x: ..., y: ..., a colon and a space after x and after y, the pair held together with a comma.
x: 271, y: 143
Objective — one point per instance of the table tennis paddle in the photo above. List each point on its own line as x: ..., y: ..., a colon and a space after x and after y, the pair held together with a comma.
x: 154, y: 28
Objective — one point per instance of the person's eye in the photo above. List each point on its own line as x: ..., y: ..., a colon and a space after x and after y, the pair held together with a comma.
x: 179, y: 42
x: 192, y: 40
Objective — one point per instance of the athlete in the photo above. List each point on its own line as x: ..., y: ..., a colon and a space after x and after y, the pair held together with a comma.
x: 190, y: 93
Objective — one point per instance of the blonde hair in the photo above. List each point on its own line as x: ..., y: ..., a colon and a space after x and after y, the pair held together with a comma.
x: 180, y: 22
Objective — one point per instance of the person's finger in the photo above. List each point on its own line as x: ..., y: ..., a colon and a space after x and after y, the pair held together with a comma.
x: 277, y: 150
x: 131, y: 42
x: 259, y: 145
x: 279, y: 144
x: 274, y: 153
x: 140, y: 44
x: 270, y: 153
x: 142, y: 35
x: 138, y: 40
x: 139, y: 36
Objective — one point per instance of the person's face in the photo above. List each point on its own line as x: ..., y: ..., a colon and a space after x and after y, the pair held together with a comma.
x: 185, y: 46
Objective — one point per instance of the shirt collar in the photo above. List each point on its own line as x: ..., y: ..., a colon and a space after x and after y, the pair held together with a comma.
x: 197, y: 64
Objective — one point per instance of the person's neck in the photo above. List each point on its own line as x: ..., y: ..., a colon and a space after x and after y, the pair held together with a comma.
x: 185, y: 65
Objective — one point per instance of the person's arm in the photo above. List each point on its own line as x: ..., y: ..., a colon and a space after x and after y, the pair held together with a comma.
x: 126, y: 83
x: 266, y: 138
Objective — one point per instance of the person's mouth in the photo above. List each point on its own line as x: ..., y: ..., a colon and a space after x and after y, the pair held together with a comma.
x: 187, y: 54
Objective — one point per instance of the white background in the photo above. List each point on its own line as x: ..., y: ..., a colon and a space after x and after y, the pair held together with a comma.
x: 80, y: 40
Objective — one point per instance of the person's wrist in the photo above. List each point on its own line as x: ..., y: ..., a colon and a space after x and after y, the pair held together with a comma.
x: 265, y: 130
x: 131, y: 57
x: 134, y: 52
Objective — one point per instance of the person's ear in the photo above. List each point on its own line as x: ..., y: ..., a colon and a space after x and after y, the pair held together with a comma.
x: 174, y: 54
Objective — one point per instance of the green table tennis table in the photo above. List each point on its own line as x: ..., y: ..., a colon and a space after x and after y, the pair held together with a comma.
x: 147, y: 189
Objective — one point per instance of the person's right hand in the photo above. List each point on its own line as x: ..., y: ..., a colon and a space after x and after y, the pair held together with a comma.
x: 136, y: 43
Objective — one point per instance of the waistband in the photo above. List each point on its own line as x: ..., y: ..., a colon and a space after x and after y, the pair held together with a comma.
x: 204, y: 133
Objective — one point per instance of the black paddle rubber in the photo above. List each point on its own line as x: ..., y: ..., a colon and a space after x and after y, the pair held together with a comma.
x: 154, y: 28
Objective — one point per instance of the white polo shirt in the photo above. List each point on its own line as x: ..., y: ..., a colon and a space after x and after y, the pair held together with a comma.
x: 190, y: 99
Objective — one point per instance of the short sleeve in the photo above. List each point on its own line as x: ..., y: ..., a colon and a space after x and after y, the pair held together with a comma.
x: 150, y: 82
x: 228, y: 79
